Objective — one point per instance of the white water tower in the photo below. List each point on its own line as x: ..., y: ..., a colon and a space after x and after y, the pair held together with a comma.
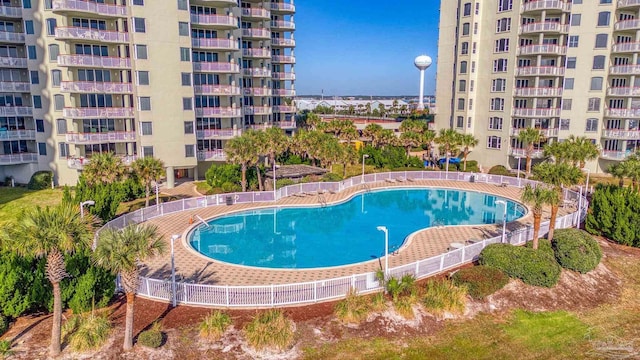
x: 422, y: 62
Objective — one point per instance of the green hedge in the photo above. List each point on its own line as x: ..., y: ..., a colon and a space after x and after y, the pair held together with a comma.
x: 576, y: 250
x: 40, y: 180
x: 499, y: 170
x: 531, y: 266
x: 614, y: 213
x: 481, y: 281
x: 544, y: 245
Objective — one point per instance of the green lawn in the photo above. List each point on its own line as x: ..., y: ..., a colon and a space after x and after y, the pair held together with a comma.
x: 14, y: 200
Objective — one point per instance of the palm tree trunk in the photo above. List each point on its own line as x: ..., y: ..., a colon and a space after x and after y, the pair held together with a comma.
x: 552, y: 221
x: 260, y: 187
x: 464, y: 167
x: 408, y: 151
x: 244, y: 177
x: 147, y: 192
x: 128, y: 323
x: 528, y: 165
x: 537, y: 217
x: 57, y: 320
x: 344, y: 170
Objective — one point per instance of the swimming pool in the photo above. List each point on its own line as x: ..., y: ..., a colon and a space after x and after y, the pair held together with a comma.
x: 345, y: 233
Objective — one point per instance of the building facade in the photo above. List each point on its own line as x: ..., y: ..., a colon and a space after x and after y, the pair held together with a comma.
x: 566, y: 68
x: 174, y: 79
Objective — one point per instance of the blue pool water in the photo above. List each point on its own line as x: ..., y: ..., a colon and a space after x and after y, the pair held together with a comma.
x: 345, y: 233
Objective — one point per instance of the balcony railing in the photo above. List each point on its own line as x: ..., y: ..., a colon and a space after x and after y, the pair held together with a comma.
x: 13, y: 62
x: 79, y: 163
x: 547, y: 26
x: 283, y: 24
x: 615, y: 155
x: 632, y: 24
x: 551, y: 112
x: 23, y: 158
x: 91, y: 7
x: 257, y: 110
x: 540, y: 92
x: 256, y: 13
x: 256, y: 33
x: 16, y: 111
x: 542, y: 49
x: 106, y: 113
x: 93, y: 138
x: 257, y: 91
x: 223, y: 44
x: 222, y: 67
x: 257, y: 72
x: 218, y: 133
x: 520, y: 152
x: 284, y: 92
x: 80, y: 33
x: 94, y: 61
x: 546, y: 5
x: 551, y: 132
x: 286, y: 124
x: 626, y: 47
x: 623, y: 91
x: 283, y: 7
x: 219, y: 112
x: 217, y: 90
x: 284, y: 59
x: 622, y: 113
x: 11, y: 11
x: 258, y: 53
x: 283, y: 42
x: 284, y: 109
x: 284, y: 76
x: 621, y: 134
x: 218, y: 20
x: 627, y: 3
x: 212, y: 155
x: 12, y: 36
x: 95, y: 87
x: 625, y: 70
x: 10, y: 86
x: 17, y: 134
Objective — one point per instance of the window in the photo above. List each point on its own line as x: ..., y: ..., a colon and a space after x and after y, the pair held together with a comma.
x: 144, y: 103
x: 63, y: 150
x: 473, y: 67
x: 58, y: 102
x: 502, y: 45
x: 465, y: 29
x: 183, y: 28
x: 462, y: 85
x: 146, y: 128
x: 460, y: 121
x: 571, y: 63
x: 143, y: 77
x: 42, y: 149
x: 51, y: 26
x: 503, y: 25
x: 601, y: 41
x: 31, y: 52
x: 182, y: 5
x: 575, y: 19
x: 39, y: 125
x: 596, y: 83
x: 61, y: 126
x: 495, y: 123
x: 592, y: 125
x: 594, y: 104
x: 564, y: 124
x: 494, y: 142
x: 566, y: 104
x: 498, y: 85
x: 37, y: 102
x: 460, y: 104
x: 466, y: 9
x: 141, y: 51
x: 605, y: 1
x: 26, y: 4
x: 497, y: 104
x: 573, y: 40
x: 186, y: 79
x: 189, y: 151
x: 56, y: 77
x: 48, y: 4
x: 505, y: 5
x: 147, y: 151
x: 138, y: 2
x: 598, y: 62
x: 470, y: 104
x: 185, y: 54
x: 568, y: 83
x: 28, y: 27
x: 35, y: 79
x: 188, y: 127
x: 139, y: 25
x: 464, y: 48
x: 187, y: 103
x: 500, y: 65
x: 603, y: 18
x: 54, y: 51
x: 463, y: 67
x: 477, y: 8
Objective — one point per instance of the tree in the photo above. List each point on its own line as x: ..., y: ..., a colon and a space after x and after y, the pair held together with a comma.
x: 148, y: 169
x: 559, y: 151
x: 239, y: 151
x: 259, y: 146
x: 467, y: 141
x: 537, y: 198
x: 582, y: 150
x: 104, y: 168
x: 382, y: 110
x: 387, y: 137
x: 330, y: 152
x: 348, y: 158
x: 529, y: 137
x: 313, y: 121
x: 410, y: 139
x: 619, y: 171
x: 428, y: 137
x: 449, y: 140
x: 121, y: 252
x: 373, y: 131
x: 53, y: 233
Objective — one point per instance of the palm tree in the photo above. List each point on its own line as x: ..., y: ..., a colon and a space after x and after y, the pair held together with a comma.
x: 348, y: 158
x: 387, y: 137
x: 122, y: 252
x: 259, y: 146
x: 410, y: 139
x: 559, y: 176
x: 373, y: 132
x: 582, y: 150
x: 559, y: 151
x: 148, y: 169
x: 239, y: 151
x: 537, y: 198
x: 529, y: 137
x: 467, y: 141
x: 52, y: 233
x: 104, y: 168
x: 416, y: 126
x: 619, y: 171
x: 382, y: 110
x: 428, y: 137
x: 330, y: 152
x: 313, y: 120
x: 449, y: 140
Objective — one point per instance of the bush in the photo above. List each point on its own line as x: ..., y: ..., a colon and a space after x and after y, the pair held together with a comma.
x: 40, y: 180
x: 576, y: 250
x: 151, y: 338
x: 481, y: 281
x: 531, y: 266
x: 443, y: 296
x: 544, y: 246
x: 269, y: 329
x: 4, y: 324
x: 614, y: 213
x: 353, y: 309
x: 284, y: 182
x: 217, y: 175
x: 87, y: 331
x: 331, y: 177
x: 404, y: 286
x: 499, y: 170
x: 472, y: 166
x: 5, y: 349
x: 214, y: 325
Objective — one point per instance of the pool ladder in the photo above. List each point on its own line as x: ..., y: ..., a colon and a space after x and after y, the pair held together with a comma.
x: 322, y: 200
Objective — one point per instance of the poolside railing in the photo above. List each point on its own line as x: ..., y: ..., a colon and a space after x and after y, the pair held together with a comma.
x: 326, y: 289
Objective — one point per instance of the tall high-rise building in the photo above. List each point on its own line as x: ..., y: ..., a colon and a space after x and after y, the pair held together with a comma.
x: 174, y: 79
x: 566, y: 68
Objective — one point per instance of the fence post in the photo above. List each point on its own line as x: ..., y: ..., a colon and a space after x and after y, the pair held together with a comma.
x: 441, y: 262
x: 353, y: 281
x: 272, y: 296
x: 315, y: 291
x: 183, y: 204
x: 463, y: 253
x: 417, y: 268
x: 148, y: 288
x: 227, y: 290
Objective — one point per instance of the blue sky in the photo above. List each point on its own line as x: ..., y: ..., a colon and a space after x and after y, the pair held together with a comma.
x: 364, y: 47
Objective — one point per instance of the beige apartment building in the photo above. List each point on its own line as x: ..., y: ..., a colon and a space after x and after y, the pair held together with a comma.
x: 564, y: 67
x: 174, y: 79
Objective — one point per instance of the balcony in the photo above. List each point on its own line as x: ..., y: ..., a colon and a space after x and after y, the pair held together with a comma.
x: 628, y: 3
x: 284, y: 109
x: 257, y: 91
x: 78, y: 163
x: 226, y: 112
x: 100, y: 113
x: 280, y: 42
x: 284, y: 76
x: 14, y: 37
x: 283, y: 25
x: 17, y: 134
x: 626, y: 47
x: 632, y: 24
x: 84, y: 34
x: 542, y: 49
x: 218, y: 134
x: 256, y: 33
x: 217, y: 44
x: 257, y: 53
x: 11, y: 11
x: 551, y: 112
x: 93, y: 8
x: 622, y: 113
x: 104, y: 137
x: 10, y: 86
x: 14, y: 159
x: 290, y: 124
x: 284, y: 92
x: 94, y: 61
x: 615, y: 155
x: 285, y: 8
x: 212, y: 155
x: 16, y: 111
x: 549, y: 26
x: 283, y: 59
x: 219, y: 21
x: 256, y: 13
x: 625, y: 70
x: 519, y: 152
x: 623, y: 91
x: 539, y: 92
x: 621, y: 134
x: 257, y: 72
x: 548, y: 5
x: 13, y: 62
x: 217, y: 67
x: 228, y: 90
x: 257, y: 110
x: 96, y: 87
x: 550, y: 132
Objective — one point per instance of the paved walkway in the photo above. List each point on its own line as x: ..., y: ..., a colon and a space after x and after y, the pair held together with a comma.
x: 193, y: 267
x: 185, y: 189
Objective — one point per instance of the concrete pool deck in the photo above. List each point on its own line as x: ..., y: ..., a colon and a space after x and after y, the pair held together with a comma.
x: 195, y: 268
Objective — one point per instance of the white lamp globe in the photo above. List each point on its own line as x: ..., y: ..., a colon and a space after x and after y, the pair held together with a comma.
x: 422, y: 62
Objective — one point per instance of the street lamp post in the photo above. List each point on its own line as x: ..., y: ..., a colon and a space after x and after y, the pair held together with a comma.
x: 364, y: 156
x: 386, y: 249
x: 504, y: 219
x: 519, y: 179
x: 82, y: 204
x: 173, y: 273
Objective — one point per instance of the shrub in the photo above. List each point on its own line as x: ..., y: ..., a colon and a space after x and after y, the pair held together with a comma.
x: 87, y: 331
x: 269, y: 329
x: 151, y: 338
x: 576, y: 250
x: 401, y: 287
x: 404, y: 306
x: 481, y: 281
x: 472, y: 166
x: 331, y: 177
x: 217, y: 175
x: 284, y: 182
x: 443, y: 296
x: 544, y: 246
x: 40, y: 180
x: 214, y: 325
x: 4, y: 324
x: 353, y: 309
x: 531, y: 266
x: 5, y: 349
x: 499, y: 170
x: 614, y: 212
